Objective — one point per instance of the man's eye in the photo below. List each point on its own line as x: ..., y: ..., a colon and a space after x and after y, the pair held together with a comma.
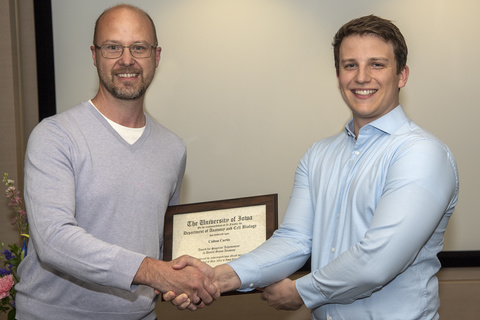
x: 139, y: 48
x: 349, y: 66
x: 111, y: 47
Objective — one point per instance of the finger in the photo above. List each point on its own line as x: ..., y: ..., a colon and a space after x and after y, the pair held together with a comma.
x: 201, y: 294
x: 180, y: 300
x: 180, y: 263
x: 195, y: 306
x: 185, y: 305
x: 168, y: 296
x: 192, y: 307
x: 187, y: 260
x: 204, y: 296
x: 213, y: 291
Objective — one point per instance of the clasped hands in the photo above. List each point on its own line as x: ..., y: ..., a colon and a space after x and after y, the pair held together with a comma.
x: 183, y: 275
x: 282, y: 295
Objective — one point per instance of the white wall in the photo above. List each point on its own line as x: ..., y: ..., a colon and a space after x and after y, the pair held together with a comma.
x: 250, y: 85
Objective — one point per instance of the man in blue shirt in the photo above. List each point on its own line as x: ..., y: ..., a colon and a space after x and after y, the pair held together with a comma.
x: 370, y: 204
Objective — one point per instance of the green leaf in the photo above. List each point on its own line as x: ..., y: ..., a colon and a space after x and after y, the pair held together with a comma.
x: 11, y: 314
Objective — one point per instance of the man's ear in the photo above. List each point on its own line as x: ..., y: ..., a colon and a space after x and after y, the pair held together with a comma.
x: 157, y: 56
x: 402, y: 81
x: 94, y: 55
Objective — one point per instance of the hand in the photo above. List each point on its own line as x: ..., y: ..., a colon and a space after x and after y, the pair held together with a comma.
x: 183, y: 300
x: 282, y: 295
x: 183, y: 275
x: 226, y: 279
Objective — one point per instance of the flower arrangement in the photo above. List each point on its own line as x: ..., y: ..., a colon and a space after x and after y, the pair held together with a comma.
x: 12, y: 255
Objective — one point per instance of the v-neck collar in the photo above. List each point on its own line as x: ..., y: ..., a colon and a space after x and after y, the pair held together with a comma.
x: 114, y: 132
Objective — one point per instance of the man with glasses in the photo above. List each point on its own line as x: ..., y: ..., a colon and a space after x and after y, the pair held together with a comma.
x: 98, y: 179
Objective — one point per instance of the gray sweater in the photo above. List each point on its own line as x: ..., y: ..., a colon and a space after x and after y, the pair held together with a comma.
x: 96, y: 208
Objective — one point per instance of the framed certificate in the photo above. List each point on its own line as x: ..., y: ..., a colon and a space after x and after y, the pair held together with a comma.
x: 217, y: 232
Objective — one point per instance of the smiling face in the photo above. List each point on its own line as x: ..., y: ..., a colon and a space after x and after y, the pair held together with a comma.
x: 126, y: 77
x: 368, y: 79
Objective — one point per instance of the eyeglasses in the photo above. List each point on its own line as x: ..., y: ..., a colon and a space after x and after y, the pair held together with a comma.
x: 114, y: 51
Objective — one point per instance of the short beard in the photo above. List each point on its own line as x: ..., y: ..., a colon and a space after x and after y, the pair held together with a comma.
x: 127, y: 94
x: 124, y: 93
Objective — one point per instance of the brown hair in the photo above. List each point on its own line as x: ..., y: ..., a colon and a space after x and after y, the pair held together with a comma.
x: 373, y: 25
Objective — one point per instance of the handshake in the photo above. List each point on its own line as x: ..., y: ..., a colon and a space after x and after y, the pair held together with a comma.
x: 189, y: 283
x: 186, y: 281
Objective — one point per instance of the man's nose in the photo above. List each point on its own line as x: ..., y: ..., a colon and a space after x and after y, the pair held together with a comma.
x: 126, y: 59
x: 363, y: 75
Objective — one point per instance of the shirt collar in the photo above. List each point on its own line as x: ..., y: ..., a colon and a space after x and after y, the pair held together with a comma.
x: 389, y: 123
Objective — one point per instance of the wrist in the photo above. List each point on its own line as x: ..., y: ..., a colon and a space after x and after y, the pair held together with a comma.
x: 226, y: 279
x: 150, y: 273
x: 141, y: 277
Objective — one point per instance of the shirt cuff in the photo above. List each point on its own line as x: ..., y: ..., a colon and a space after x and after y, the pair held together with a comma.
x: 243, y: 268
x: 308, y: 289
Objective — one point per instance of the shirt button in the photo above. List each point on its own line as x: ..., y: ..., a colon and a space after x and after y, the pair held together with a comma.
x: 333, y: 249
x: 357, y: 153
x: 329, y: 318
x: 251, y: 285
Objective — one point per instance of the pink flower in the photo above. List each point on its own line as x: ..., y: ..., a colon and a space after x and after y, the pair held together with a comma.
x: 6, y: 283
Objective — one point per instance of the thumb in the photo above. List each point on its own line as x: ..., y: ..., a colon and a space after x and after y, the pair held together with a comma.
x: 180, y: 263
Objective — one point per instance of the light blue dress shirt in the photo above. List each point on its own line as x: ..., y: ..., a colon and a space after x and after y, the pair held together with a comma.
x: 371, y: 210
